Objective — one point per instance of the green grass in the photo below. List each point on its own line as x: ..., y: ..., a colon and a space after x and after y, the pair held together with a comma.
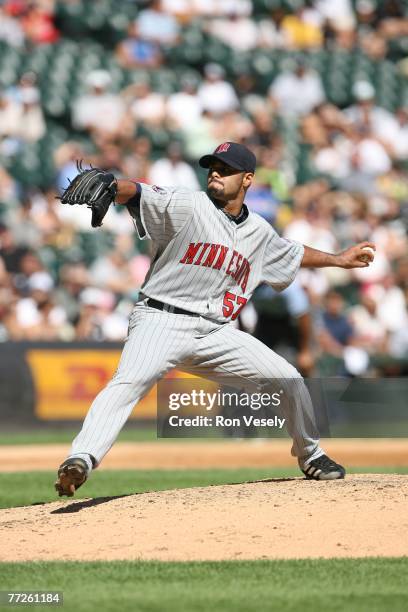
x: 132, y: 434
x: 55, y: 435
x: 21, y: 489
x: 65, y: 436
x: 374, y: 429
x: 26, y: 488
x: 352, y: 585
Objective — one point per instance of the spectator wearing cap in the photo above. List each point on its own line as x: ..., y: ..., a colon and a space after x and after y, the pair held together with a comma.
x: 365, y: 115
x: 296, y: 91
x: 173, y: 170
x: 93, y: 303
x: 99, y: 319
x: 99, y: 111
x: 216, y: 95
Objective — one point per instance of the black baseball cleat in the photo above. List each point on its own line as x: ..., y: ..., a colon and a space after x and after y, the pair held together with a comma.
x: 323, y: 468
x: 71, y: 475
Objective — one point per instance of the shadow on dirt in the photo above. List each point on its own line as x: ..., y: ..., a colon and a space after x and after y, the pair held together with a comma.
x: 295, y: 479
x: 89, y: 503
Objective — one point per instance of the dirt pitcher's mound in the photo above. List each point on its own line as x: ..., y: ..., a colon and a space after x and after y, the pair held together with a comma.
x: 364, y: 515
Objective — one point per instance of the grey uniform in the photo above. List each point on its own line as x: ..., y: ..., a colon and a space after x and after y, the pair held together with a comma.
x: 208, y: 264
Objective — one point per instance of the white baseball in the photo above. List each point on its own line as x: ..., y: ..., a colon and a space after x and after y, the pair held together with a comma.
x: 369, y: 250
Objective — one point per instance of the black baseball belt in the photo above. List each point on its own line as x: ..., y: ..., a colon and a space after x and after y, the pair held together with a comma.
x: 167, y: 308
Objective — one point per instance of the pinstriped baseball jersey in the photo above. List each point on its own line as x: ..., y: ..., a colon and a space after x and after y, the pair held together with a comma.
x: 209, y: 264
x: 203, y: 261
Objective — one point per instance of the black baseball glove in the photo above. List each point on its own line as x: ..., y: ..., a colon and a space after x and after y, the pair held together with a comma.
x: 95, y: 188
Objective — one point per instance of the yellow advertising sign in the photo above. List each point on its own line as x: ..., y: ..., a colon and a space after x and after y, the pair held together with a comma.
x: 67, y: 381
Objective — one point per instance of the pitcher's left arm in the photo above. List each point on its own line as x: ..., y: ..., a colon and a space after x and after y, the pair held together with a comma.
x: 357, y: 256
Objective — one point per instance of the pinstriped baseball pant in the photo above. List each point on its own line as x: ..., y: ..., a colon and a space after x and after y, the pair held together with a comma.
x: 159, y: 341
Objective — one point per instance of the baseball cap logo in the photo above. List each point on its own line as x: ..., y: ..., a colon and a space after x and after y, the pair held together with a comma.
x: 223, y: 147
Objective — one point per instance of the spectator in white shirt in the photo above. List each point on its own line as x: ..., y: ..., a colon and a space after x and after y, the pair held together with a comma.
x: 366, y: 159
x: 22, y: 119
x: 364, y: 114
x: 355, y: 161
x: 37, y: 314
x: 184, y: 108
x: 173, y: 170
x: 339, y: 14
x: 216, y: 95
x: 297, y: 92
x: 401, y: 141
x: 370, y: 330
x: 148, y: 106
x: 99, y: 111
x: 155, y: 24
x: 369, y: 156
x: 217, y: 8
x: 238, y: 32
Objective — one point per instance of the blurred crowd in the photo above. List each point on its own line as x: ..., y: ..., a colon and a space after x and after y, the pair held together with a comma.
x: 61, y: 280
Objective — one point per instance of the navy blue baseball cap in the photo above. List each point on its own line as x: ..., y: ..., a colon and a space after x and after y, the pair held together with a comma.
x: 236, y: 155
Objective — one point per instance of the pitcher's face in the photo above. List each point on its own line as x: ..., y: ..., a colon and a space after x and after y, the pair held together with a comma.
x: 225, y: 183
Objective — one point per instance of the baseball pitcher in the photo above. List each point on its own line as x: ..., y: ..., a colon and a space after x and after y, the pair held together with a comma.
x: 210, y: 253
